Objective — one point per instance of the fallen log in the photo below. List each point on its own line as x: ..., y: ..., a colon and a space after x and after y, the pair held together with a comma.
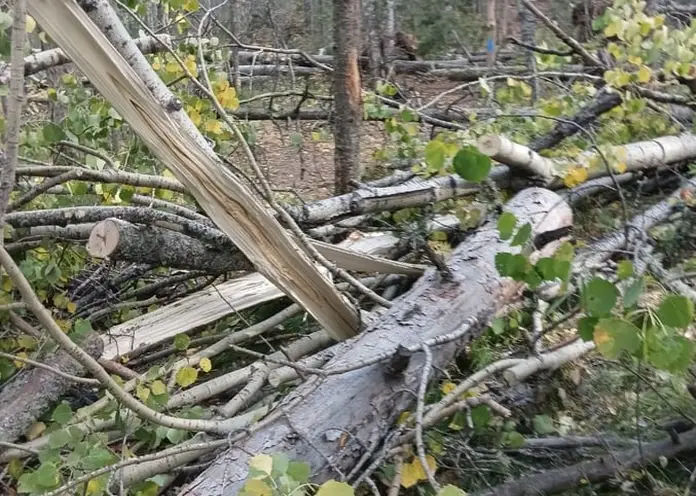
x: 599, y: 470
x: 30, y: 395
x: 119, y: 240
x: 367, y: 399
x: 636, y: 156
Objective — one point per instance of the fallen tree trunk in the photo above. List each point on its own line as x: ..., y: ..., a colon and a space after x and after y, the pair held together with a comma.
x: 636, y: 156
x: 601, y: 469
x: 119, y: 240
x: 30, y: 395
x: 367, y: 399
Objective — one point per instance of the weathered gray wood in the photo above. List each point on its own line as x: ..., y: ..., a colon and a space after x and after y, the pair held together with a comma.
x: 366, y: 400
x: 31, y: 394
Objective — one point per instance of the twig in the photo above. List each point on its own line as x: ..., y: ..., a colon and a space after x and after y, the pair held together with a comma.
x: 398, y: 471
x: 571, y: 42
x: 538, y: 49
x: 420, y: 406
x: 81, y: 380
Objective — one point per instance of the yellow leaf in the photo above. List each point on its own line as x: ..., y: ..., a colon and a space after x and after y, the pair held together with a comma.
x: 205, y: 364
x: 35, y: 430
x: 575, y: 176
x: 71, y: 307
x: 157, y: 64
x: 257, y: 488
x: 30, y: 25
x: 335, y: 488
x: 190, y: 64
x: 635, y: 60
x: 6, y: 284
x: 142, y: 392
x: 228, y: 99
x: 644, y: 74
x: 447, y: 387
x: 186, y: 376
x: 19, y: 363
x: 214, y: 127
x: 262, y: 463
x: 15, y: 468
x: 95, y: 486
x: 620, y: 167
x: 191, y: 6
x: 194, y: 115
x: 65, y: 325
x: 158, y: 387
x: 172, y: 67
x: 403, y: 418
x: 410, y: 474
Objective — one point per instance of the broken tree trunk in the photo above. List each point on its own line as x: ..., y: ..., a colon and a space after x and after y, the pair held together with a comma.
x: 30, y: 395
x: 168, y: 132
x: 368, y: 400
x: 635, y: 156
x: 120, y: 240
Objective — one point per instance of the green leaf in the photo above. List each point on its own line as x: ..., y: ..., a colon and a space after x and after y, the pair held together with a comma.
x: 676, y: 311
x: 480, y: 416
x: 506, y: 224
x: 58, y: 439
x: 471, y: 164
x: 498, y: 326
x: 51, y: 273
x: 281, y: 461
x: 599, y: 297
x: 522, y: 236
x: 47, y: 476
x: 510, y: 265
x: 62, y: 414
x: 435, y: 155
x: 614, y: 336
x: 672, y: 353
x: 586, y: 326
x: 632, y: 293
x: 543, y: 425
x: 186, y: 376
x: 513, y: 440
x: 624, y: 269
x: 334, y: 488
x: 451, y: 490
x: 53, y: 133
x: 299, y: 471
x: 182, y: 341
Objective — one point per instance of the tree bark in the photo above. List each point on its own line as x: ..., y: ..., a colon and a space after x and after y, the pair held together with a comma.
x: 365, y: 400
x: 28, y: 396
x: 347, y: 94
x: 563, y: 479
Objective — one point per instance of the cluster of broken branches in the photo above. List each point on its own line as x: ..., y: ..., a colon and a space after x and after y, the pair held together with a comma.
x: 380, y: 337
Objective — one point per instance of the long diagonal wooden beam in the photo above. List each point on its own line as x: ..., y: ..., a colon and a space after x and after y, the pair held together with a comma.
x: 170, y: 136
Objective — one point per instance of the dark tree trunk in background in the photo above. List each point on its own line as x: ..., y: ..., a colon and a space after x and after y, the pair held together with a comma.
x: 347, y: 97
x: 373, y: 41
x: 527, y: 30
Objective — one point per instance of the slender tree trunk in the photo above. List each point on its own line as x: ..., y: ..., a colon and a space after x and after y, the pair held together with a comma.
x: 527, y: 30
x: 490, y: 43
x: 373, y: 53
x: 389, y: 31
x: 347, y: 93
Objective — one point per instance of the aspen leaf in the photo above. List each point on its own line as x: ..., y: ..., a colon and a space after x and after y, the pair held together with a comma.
x: 612, y: 336
x: 214, y: 126
x: 205, y: 364
x: 262, y: 464
x: 403, y: 418
x: 30, y: 24
x: 19, y: 363
x: 186, y: 376
x: 158, y: 387
x: 335, y: 488
x: 575, y: 176
x: 255, y: 487
x: 676, y: 311
x: 35, y: 430
x: 71, y: 307
x: 447, y: 387
x: 194, y: 115
x: 451, y: 490
x: 644, y: 74
x: 190, y: 64
x: 620, y: 167
x: 142, y: 392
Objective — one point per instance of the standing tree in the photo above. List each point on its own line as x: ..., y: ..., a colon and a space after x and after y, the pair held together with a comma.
x: 347, y: 93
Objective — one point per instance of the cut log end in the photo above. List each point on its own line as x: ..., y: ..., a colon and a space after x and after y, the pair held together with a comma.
x: 490, y: 145
x: 104, y: 238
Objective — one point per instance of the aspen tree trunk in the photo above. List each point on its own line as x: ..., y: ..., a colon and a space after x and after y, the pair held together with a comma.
x: 347, y: 91
x: 490, y: 43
